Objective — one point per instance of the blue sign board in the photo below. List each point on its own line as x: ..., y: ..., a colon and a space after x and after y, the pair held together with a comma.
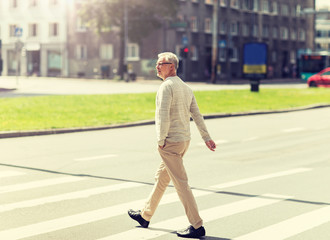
x: 255, y: 60
x: 222, y: 43
x: 184, y: 40
x: 18, y: 32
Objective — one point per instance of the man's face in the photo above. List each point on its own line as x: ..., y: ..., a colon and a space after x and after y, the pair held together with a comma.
x: 163, y: 68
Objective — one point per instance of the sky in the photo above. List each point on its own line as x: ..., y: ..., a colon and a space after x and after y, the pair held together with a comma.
x: 322, y: 3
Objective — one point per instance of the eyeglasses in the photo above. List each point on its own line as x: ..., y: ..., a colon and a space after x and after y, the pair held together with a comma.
x: 160, y: 64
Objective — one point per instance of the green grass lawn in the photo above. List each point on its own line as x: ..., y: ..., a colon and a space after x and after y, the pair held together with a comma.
x: 50, y: 112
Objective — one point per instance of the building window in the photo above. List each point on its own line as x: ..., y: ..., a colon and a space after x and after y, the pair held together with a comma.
x: 223, y: 3
x: 284, y: 10
x: 246, y: 4
x: 193, y: 24
x: 81, y: 52
x: 81, y: 25
x: 13, y: 4
x: 195, y: 1
x: 106, y: 51
x: 234, y: 28
x: 12, y: 29
x: 293, y: 11
x: 275, y: 32
x: 256, y: 5
x: 223, y: 27
x: 234, y: 54
x: 245, y: 30
x: 234, y: 3
x: 298, y: 9
x: 33, y: 3
x: 208, y: 25
x: 209, y: 2
x: 54, y: 63
x: 284, y: 33
x: 274, y: 56
x: 265, y: 31
x: 222, y: 54
x: 133, y: 52
x: 292, y: 56
x: 293, y: 34
x: 265, y: 6
x: 53, y: 29
x: 33, y: 30
x: 302, y: 35
x: 275, y: 7
x: 255, y: 30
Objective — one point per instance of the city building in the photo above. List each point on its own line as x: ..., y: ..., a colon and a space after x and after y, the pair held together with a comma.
x: 278, y: 23
x: 322, y: 28
x: 34, y: 37
x: 52, y: 40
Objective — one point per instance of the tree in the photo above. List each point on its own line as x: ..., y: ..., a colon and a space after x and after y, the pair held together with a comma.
x: 143, y: 17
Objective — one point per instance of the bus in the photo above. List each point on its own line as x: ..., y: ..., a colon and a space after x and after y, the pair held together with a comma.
x: 312, y: 63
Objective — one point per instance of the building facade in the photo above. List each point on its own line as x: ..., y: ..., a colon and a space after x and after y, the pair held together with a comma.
x: 278, y: 23
x: 34, y: 37
x: 322, y: 28
x: 55, y: 41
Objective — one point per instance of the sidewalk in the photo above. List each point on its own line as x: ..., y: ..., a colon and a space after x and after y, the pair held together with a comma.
x: 33, y: 86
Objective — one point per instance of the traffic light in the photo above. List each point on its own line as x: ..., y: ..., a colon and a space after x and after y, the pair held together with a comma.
x: 184, y: 52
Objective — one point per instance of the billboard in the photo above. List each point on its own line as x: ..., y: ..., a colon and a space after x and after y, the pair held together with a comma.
x: 255, y: 60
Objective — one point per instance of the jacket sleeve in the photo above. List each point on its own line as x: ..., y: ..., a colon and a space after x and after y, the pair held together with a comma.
x: 199, y: 120
x: 163, y: 105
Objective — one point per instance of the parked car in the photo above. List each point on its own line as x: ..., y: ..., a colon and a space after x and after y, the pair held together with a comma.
x: 321, y: 79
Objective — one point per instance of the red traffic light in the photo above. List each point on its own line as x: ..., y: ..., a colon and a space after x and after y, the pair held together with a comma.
x: 186, y: 50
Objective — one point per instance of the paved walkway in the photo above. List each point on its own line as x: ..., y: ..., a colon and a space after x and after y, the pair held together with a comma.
x: 32, y: 86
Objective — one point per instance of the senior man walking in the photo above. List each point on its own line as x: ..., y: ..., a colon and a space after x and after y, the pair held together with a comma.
x: 175, y: 104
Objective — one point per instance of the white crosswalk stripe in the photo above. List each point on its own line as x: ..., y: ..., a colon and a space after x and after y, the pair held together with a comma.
x: 66, y: 196
x: 40, y: 183
x: 208, y: 215
x: 239, y: 204
x: 291, y: 227
x: 5, y: 174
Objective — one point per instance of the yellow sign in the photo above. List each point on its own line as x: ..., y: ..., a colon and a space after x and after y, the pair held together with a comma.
x: 248, y: 69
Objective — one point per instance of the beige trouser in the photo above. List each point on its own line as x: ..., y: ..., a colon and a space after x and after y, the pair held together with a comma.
x: 171, y: 168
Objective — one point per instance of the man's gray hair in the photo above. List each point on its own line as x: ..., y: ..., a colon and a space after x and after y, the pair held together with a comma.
x: 170, y: 57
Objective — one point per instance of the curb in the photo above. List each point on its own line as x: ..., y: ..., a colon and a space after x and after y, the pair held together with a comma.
x: 15, y: 134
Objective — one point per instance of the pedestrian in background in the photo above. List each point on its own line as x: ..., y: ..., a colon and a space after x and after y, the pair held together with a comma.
x: 175, y: 104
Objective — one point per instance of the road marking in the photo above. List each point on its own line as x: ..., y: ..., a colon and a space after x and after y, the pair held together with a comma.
x: 4, y: 174
x: 210, y: 214
x: 37, y: 184
x: 289, y: 130
x: 259, y: 178
x: 82, y: 218
x: 291, y: 227
x: 104, y: 213
x: 67, y: 196
x: 96, y: 157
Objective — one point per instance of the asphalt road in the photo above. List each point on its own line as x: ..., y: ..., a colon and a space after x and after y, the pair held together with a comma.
x: 267, y: 180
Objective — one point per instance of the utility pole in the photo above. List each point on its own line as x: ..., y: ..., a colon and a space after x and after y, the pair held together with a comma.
x: 215, y: 41
x: 125, y: 41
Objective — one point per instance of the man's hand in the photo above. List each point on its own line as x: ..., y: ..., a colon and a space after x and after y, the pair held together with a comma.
x: 211, y: 145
